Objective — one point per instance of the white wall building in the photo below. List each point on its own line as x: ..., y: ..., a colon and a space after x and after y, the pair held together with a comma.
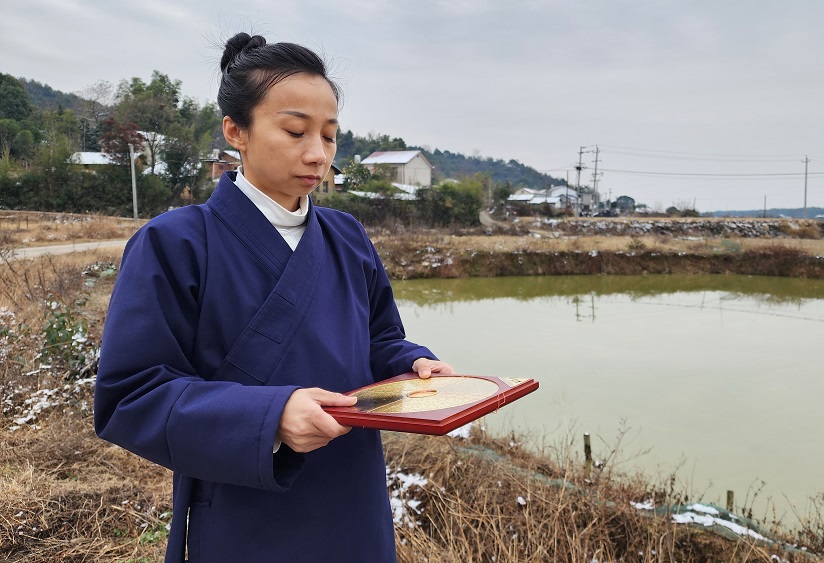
x: 409, y: 167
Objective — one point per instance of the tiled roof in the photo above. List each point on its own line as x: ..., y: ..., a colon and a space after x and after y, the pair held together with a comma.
x: 390, y: 157
x: 91, y: 158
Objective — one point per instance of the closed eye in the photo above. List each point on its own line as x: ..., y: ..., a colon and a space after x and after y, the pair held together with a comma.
x: 295, y: 135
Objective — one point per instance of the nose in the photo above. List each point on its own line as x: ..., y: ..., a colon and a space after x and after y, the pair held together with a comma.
x: 315, y: 153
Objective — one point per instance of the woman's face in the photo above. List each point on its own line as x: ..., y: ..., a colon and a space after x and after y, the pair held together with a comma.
x: 290, y: 145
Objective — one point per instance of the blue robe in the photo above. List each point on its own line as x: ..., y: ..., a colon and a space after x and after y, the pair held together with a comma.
x: 213, y: 322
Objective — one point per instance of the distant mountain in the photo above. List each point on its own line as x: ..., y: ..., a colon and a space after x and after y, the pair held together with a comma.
x: 44, y: 96
x: 796, y: 213
x: 447, y: 164
x: 455, y: 165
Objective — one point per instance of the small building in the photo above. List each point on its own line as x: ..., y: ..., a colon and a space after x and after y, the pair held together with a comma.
x: 221, y: 161
x: 408, y: 167
x: 328, y: 185
x: 557, y: 197
x: 88, y: 159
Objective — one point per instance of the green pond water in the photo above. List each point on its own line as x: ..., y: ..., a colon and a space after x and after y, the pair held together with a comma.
x: 717, y: 379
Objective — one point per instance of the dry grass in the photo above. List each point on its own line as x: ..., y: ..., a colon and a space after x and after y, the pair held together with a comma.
x: 487, y: 501
x: 64, y: 494
x: 655, y: 243
x: 32, y: 228
x: 67, y: 496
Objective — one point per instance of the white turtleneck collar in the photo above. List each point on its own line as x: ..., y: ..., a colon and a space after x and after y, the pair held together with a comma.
x: 290, y: 224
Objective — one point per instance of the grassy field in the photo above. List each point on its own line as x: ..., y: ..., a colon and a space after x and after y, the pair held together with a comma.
x: 28, y: 228
x: 65, y: 495
x: 32, y: 228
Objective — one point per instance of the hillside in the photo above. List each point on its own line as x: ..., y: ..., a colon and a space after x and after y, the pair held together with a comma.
x: 447, y: 164
x: 44, y: 96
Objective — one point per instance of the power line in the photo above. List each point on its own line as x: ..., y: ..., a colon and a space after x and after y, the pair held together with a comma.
x: 703, y: 159
x: 777, y: 158
x: 769, y: 175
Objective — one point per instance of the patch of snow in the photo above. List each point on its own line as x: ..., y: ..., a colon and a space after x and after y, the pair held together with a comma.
x: 403, y: 507
x: 646, y: 505
x: 461, y: 432
x: 704, y: 508
x: 705, y: 520
x: 45, y: 399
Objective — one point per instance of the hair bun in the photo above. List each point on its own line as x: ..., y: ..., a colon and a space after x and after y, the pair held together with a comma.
x: 238, y: 44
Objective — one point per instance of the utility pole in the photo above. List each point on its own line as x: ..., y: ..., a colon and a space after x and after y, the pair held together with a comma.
x: 578, y: 181
x: 806, y: 162
x: 580, y: 166
x: 134, y: 181
x: 595, y: 180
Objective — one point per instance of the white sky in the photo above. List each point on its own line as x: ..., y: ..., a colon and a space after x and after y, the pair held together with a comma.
x: 726, y: 86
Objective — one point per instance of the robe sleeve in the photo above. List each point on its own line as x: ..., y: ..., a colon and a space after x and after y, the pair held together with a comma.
x: 149, y: 398
x: 390, y: 354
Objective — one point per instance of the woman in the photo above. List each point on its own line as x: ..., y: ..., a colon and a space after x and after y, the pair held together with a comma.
x: 234, y: 322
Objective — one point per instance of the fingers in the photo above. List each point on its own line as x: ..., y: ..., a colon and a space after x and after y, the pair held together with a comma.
x: 330, y: 399
x: 444, y: 369
x: 304, y: 426
x: 425, y: 367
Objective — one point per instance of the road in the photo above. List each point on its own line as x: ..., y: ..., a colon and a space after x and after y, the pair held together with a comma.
x: 35, y: 251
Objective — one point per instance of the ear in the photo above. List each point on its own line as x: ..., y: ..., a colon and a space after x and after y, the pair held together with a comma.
x: 234, y: 135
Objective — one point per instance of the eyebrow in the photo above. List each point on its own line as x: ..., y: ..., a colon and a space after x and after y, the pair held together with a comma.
x: 302, y: 115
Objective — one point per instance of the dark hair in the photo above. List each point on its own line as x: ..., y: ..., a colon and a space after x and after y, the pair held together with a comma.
x: 250, y: 66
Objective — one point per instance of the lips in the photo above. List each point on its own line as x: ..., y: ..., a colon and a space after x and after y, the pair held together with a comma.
x: 309, y: 179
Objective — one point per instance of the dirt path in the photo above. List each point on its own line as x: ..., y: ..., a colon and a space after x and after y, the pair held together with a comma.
x: 36, y: 251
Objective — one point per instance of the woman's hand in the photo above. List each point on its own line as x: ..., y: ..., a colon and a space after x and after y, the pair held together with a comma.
x: 425, y: 367
x: 305, y: 426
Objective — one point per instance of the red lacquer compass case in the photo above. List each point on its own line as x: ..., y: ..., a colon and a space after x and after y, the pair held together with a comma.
x: 436, y: 405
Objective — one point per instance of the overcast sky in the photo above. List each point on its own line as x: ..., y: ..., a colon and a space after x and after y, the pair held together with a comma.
x: 683, y: 99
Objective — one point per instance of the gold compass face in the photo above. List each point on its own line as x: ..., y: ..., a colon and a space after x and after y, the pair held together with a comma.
x: 418, y: 395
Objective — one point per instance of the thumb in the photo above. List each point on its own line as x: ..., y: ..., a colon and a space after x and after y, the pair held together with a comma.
x: 422, y: 368
x: 330, y: 399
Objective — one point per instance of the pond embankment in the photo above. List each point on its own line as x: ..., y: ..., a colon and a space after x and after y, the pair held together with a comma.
x: 769, y: 247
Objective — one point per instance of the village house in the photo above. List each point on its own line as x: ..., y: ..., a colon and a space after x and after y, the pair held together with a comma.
x: 561, y: 198
x: 328, y: 185
x: 408, y: 167
x: 88, y: 160
x: 220, y: 161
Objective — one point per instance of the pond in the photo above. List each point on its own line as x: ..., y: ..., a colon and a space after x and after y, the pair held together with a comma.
x: 718, y: 380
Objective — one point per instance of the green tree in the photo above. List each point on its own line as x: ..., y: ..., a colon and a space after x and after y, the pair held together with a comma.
x: 187, y: 139
x: 181, y: 153
x: 14, y: 101
x: 356, y: 176
x: 452, y: 203
x: 152, y: 107
x: 350, y: 145
x: 23, y: 144
x: 153, y: 195
x: 9, y: 128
